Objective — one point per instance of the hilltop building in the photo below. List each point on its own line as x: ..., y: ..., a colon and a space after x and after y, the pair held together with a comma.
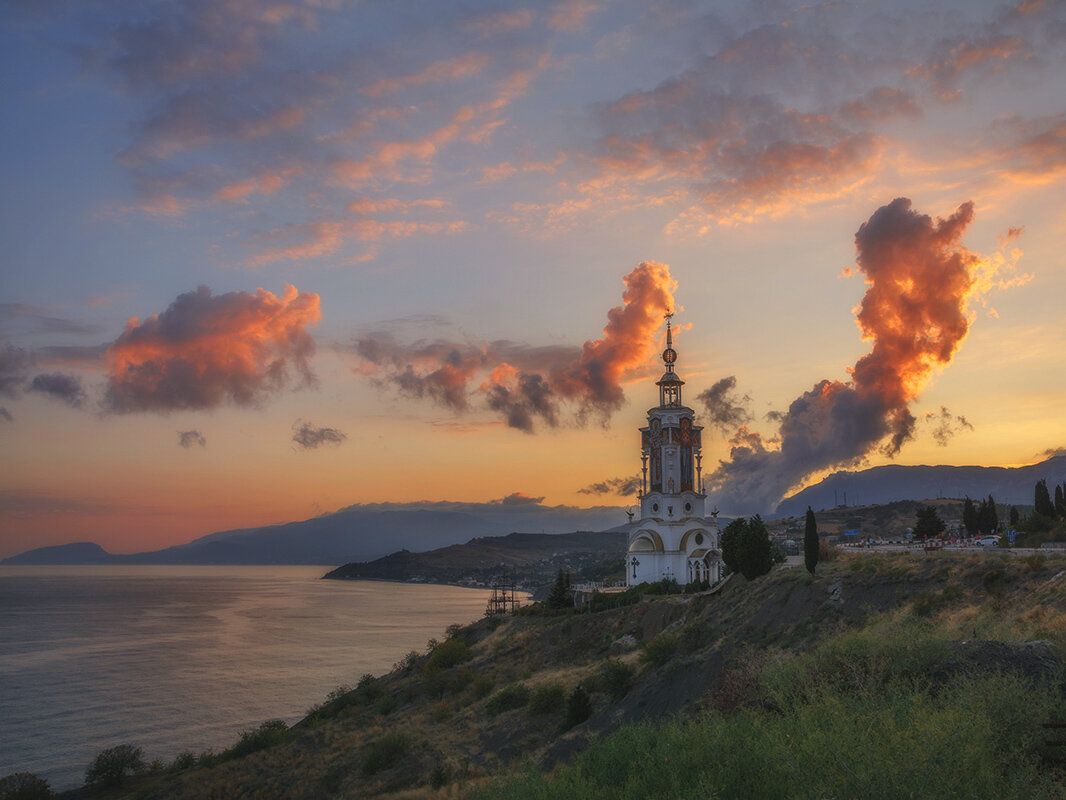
x: 672, y: 540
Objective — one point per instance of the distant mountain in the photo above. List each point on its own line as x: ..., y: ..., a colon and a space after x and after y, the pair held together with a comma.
x: 1008, y: 485
x: 356, y: 533
x: 74, y: 553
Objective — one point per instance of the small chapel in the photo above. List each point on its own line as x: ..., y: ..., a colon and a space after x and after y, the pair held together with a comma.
x: 672, y: 539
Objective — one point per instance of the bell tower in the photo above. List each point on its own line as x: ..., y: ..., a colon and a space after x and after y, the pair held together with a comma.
x: 672, y: 539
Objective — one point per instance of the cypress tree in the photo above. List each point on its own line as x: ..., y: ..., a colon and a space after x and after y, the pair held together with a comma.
x: 1060, y: 500
x: 1015, y: 517
x: 728, y: 542
x: 560, y: 595
x: 754, y: 556
x: 1042, y: 500
x: 969, y: 517
x: 810, y: 542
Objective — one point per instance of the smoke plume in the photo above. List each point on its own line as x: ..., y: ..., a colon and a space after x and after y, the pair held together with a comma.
x: 204, y: 351
x: 528, y: 385
x: 915, y: 312
x: 946, y: 425
x: 724, y: 410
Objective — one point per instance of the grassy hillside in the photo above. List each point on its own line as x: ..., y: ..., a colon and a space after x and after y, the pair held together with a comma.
x: 896, y: 675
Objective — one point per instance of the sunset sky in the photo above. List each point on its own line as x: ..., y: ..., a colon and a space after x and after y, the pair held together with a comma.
x: 265, y: 260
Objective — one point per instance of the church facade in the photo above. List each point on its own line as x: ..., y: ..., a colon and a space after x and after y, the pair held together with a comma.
x: 672, y: 539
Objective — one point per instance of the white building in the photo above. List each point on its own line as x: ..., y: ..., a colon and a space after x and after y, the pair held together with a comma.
x: 672, y: 539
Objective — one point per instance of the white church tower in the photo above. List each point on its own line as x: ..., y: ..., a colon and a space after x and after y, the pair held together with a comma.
x: 672, y: 539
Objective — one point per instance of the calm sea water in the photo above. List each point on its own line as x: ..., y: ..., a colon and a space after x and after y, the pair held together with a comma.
x: 185, y: 658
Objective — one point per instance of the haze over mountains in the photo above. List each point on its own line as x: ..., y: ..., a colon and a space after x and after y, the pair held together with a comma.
x: 369, y: 531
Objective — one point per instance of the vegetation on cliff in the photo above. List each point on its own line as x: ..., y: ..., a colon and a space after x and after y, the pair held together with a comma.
x: 889, y: 675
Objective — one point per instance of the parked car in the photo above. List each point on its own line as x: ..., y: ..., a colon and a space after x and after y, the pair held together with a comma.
x: 988, y: 541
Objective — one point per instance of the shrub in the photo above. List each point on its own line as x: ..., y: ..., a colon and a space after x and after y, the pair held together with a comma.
x: 826, y: 552
x: 547, y: 699
x: 578, y: 708
x: 657, y: 651
x: 111, y: 766
x: 386, y: 705
x: 384, y: 752
x: 268, y: 734
x: 446, y: 655
x: 514, y: 696
x: 1035, y: 562
x: 616, y: 678
x: 481, y: 686
x: 24, y: 786
x: 993, y: 581
x: 182, y: 760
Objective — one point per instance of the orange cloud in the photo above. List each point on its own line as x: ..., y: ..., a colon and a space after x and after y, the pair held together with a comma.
x: 464, y: 66
x: 916, y: 312
x: 205, y: 350
x: 526, y: 385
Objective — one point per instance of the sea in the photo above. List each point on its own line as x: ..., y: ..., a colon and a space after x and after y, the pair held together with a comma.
x: 185, y: 658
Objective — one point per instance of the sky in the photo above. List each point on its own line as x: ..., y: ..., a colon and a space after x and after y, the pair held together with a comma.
x: 265, y: 260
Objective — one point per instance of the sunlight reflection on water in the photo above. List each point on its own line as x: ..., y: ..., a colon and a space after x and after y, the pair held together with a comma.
x: 185, y: 658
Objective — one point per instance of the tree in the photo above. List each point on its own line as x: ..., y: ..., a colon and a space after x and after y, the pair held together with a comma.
x: 24, y: 786
x: 578, y: 708
x: 754, y: 554
x: 560, y: 593
x: 1015, y: 517
x: 112, y: 765
x: 987, y: 518
x: 929, y: 524
x: 1042, y: 504
x: 1060, y: 500
x: 728, y: 543
x: 810, y: 542
x: 969, y: 517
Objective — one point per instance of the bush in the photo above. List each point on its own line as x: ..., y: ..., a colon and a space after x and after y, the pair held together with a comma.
x: 578, y: 708
x: 547, y: 699
x: 826, y: 552
x: 386, y: 705
x: 616, y: 678
x: 657, y: 651
x: 182, y: 760
x: 514, y: 696
x: 384, y: 752
x: 24, y: 786
x: 268, y: 734
x: 111, y: 766
x: 446, y: 655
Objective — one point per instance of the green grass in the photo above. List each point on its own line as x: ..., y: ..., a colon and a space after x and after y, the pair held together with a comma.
x: 857, y: 717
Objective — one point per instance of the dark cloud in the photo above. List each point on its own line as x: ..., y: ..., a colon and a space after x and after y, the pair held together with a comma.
x: 191, y: 438
x: 309, y: 437
x: 915, y: 313
x: 61, y: 386
x: 36, y: 320
x: 618, y: 486
x: 206, y: 350
x: 945, y: 425
x: 5, y: 415
x: 526, y: 385
x: 15, y: 364
x: 725, y: 411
